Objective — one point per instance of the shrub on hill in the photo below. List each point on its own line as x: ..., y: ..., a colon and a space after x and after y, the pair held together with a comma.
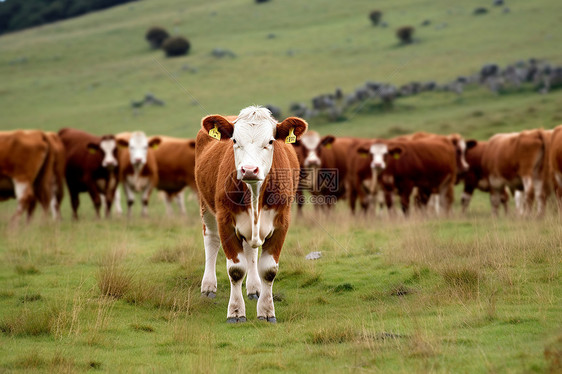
x: 405, y: 34
x: 156, y: 36
x: 375, y: 17
x: 176, y: 46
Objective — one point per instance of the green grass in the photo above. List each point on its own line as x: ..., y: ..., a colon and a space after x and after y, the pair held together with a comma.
x: 464, y: 294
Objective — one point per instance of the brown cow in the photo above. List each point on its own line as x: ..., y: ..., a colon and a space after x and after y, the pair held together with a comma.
x: 175, y: 159
x: 23, y: 169
x: 428, y: 164
x: 474, y: 178
x: 517, y: 161
x: 138, y: 171
x: 323, y: 162
x: 360, y: 171
x: 246, y: 181
x: 91, y: 166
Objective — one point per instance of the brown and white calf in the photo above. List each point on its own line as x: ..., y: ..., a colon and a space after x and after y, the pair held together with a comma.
x: 427, y: 164
x: 246, y: 181
x: 91, y: 166
x: 323, y: 162
x: 517, y: 161
x: 175, y: 158
x: 138, y: 171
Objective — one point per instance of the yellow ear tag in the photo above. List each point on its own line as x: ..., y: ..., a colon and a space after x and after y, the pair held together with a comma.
x: 328, y: 146
x: 155, y: 146
x: 364, y: 154
x: 396, y: 156
x: 92, y: 151
x: 291, y: 138
x: 215, y: 133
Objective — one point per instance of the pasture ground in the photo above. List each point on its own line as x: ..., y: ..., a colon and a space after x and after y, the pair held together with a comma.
x: 464, y: 294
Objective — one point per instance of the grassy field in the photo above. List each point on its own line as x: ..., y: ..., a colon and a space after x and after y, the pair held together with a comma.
x: 463, y: 294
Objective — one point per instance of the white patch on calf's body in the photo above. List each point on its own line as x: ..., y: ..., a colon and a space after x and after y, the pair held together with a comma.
x: 244, y: 226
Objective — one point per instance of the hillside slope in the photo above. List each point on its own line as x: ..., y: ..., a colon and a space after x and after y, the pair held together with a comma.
x: 86, y: 71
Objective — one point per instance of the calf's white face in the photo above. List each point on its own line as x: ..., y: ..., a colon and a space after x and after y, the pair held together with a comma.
x: 108, y: 148
x: 378, y: 152
x: 310, y: 141
x: 253, y: 137
x: 138, y: 148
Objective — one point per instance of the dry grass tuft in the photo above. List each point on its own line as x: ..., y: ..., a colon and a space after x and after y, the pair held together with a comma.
x: 333, y: 335
x: 465, y: 280
x: 29, y: 322
x: 27, y: 269
x: 114, y: 280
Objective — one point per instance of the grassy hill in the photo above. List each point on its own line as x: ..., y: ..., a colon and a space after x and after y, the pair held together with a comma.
x: 463, y: 294
x: 85, y: 72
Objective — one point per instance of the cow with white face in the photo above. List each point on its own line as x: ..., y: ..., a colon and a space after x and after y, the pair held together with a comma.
x: 138, y: 171
x: 247, y: 173
x: 91, y: 166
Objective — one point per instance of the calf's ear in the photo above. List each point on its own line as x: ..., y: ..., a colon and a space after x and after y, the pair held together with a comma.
x: 396, y: 151
x: 93, y: 147
x: 291, y: 129
x: 363, y: 151
x: 217, y: 127
x: 471, y: 143
x: 122, y: 143
x: 328, y: 140
x: 154, y: 142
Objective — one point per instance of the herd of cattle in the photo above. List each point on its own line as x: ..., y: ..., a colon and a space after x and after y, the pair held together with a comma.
x: 34, y: 166
x: 248, y: 169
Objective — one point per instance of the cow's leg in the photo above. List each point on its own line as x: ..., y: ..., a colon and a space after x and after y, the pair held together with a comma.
x: 268, y: 266
x: 519, y: 198
x: 405, y: 193
x: 180, y: 199
x: 74, y: 202
x: 130, y: 195
x: 145, y: 197
x: 212, y: 244
x: 117, y: 202
x: 236, y: 266
x: 352, y: 199
x: 495, y: 200
x: 529, y: 194
x: 95, y: 196
x: 168, y: 202
x: 299, y: 197
x: 466, y: 196
x: 540, y: 195
x: 504, y: 200
x: 253, y: 284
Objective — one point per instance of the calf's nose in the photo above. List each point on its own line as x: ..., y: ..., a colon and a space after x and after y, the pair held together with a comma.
x: 249, y: 172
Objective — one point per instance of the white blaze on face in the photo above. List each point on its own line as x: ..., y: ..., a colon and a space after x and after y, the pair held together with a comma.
x: 253, y: 137
x: 107, y: 147
x: 462, y: 150
x: 311, y: 141
x: 138, y: 148
x: 378, y: 151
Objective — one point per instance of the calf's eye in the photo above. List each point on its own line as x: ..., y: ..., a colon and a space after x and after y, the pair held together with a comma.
x: 271, y: 141
x: 234, y: 141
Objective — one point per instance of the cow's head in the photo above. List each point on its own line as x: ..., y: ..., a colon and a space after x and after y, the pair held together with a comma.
x: 460, y: 149
x: 138, y: 145
x: 108, y: 148
x: 253, y: 135
x: 312, y: 146
x: 379, y: 153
